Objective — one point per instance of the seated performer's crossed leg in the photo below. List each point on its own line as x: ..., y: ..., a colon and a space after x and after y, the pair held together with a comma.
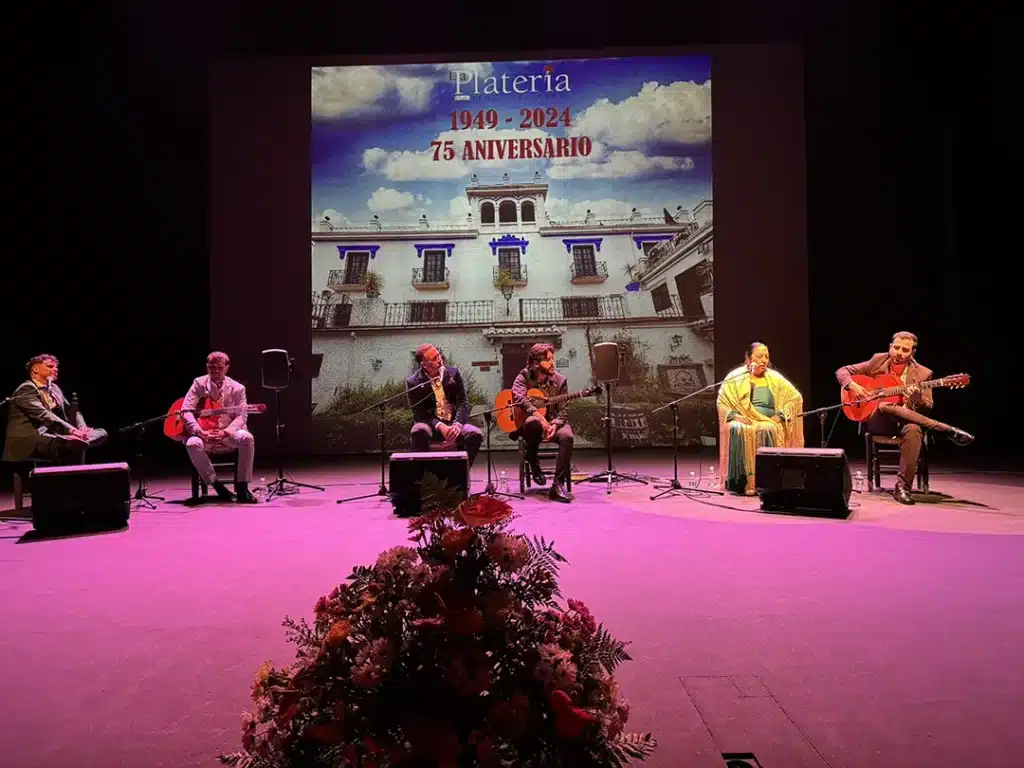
x: 469, y: 439
x: 908, y: 427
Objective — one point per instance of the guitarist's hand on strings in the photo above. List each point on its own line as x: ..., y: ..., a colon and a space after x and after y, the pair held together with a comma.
x: 858, y: 391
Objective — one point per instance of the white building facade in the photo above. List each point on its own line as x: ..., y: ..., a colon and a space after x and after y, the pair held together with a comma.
x: 485, y: 289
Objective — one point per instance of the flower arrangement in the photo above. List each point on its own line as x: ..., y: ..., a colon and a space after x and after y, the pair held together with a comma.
x: 452, y: 652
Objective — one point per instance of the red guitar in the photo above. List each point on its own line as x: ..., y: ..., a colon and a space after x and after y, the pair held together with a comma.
x: 889, y: 389
x: 207, y: 413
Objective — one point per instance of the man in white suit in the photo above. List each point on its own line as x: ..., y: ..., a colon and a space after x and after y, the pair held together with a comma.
x: 227, y: 435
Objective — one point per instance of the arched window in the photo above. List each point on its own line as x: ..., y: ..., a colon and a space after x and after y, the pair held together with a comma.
x: 507, y: 212
x: 487, y: 213
x: 529, y: 214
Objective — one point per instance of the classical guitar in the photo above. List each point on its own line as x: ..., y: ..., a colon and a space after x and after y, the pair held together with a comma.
x: 207, y: 413
x: 889, y: 389
x: 511, y: 416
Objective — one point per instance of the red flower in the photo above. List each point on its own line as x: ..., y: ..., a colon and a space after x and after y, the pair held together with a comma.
x: 483, y: 510
x: 570, y: 721
x: 455, y: 541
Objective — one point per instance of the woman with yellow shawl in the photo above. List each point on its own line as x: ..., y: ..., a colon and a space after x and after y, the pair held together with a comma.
x: 756, y: 409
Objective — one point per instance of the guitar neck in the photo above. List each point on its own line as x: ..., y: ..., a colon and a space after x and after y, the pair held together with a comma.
x: 564, y: 398
x: 930, y: 384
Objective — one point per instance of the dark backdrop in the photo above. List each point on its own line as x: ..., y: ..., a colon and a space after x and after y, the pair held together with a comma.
x: 108, y: 190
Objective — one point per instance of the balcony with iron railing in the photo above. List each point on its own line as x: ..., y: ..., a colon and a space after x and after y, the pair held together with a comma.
x: 516, y: 274
x: 572, y: 308
x: 431, y: 278
x: 345, y: 281
x: 330, y: 313
x: 423, y: 313
x: 666, y: 249
x: 582, y: 273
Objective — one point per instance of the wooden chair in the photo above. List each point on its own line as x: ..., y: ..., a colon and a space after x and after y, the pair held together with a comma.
x: 22, y: 480
x: 547, y: 455
x: 877, y: 448
x: 219, y: 461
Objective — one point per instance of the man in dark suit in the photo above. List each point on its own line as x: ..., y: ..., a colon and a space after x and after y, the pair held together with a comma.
x: 906, y: 422
x: 540, y: 373
x: 41, y: 424
x: 440, y: 406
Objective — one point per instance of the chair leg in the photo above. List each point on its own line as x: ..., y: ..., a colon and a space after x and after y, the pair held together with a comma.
x: 869, y: 461
x: 922, y: 467
x: 19, y: 493
x: 524, y: 477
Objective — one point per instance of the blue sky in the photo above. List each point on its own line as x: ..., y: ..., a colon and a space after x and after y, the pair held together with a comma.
x: 649, y: 120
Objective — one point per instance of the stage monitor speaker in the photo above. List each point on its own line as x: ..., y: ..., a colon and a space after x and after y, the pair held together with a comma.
x: 803, y: 481
x: 606, y: 361
x: 80, y: 497
x: 277, y: 368
x: 406, y: 471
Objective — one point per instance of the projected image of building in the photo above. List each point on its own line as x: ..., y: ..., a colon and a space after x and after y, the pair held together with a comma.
x: 486, y: 288
x: 485, y: 207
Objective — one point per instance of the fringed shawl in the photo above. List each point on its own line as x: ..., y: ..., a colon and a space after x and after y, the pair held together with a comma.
x: 734, y: 395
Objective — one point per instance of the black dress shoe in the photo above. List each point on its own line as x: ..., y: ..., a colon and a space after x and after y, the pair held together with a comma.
x: 222, y: 491
x: 902, y: 494
x: 244, y: 494
x: 557, y: 493
x: 537, y: 474
x: 960, y: 437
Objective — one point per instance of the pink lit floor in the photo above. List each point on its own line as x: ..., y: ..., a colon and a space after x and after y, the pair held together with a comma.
x: 892, y: 638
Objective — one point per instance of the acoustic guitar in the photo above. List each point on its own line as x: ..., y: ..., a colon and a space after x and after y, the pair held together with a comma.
x: 889, y: 389
x: 207, y: 414
x: 510, y: 417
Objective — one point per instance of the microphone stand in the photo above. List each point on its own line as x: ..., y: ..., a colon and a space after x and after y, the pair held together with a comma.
x: 822, y: 414
x: 382, y: 491
x: 491, y: 489
x: 142, y: 494
x: 675, y: 487
x: 283, y: 485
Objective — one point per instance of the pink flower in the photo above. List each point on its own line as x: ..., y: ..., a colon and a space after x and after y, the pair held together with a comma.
x: 509, y: 552
x: 555, y: 668
x: 397, y: 558
x: 372, y: 662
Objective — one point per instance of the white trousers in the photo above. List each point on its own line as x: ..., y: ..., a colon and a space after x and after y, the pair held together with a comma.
x: 199, y: 452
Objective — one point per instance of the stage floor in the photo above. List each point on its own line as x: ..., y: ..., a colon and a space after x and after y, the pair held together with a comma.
x: 891, y: 638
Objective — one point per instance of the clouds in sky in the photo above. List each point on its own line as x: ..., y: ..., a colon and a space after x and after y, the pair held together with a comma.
x: 339, y: 92
x: 659, y: 115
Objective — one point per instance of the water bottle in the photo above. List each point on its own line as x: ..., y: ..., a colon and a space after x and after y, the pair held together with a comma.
x: 693, y: 479
x: 712, y: 478
x: 858, y: 482
x: 503, y: 481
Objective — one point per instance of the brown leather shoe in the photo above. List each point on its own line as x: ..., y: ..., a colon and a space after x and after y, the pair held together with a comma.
x: 902, y: 494
x: 557, y: 493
